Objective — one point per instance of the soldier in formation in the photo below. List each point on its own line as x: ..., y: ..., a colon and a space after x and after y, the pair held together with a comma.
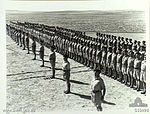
x: 42, y: 53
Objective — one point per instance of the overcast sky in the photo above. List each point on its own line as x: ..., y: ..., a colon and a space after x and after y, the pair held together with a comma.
x: 76, y: 5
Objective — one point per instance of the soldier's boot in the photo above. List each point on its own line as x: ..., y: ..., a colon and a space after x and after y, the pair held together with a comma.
x: 88, y: 63
x: 118, y: 78
x: 24, y: 47
x: 131, y: 82
x: 84, y: 63
x: 115, y: 74
x: 42, y: 63
x: 53, y: 74
x: 81, y: 61
x: 99, y: 108
x: 28, y: 51
x: 144, y: 88
x: 126, y: 79
x: 91, y: 65
x: 68, y: 89
x: 138, y: 85
x: 34, y: 57
x: 129, y: 79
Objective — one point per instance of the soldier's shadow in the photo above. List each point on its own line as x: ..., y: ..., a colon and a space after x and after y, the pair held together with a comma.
x: 82, y: 96
x: 74, y: 81
x: 109, y: 103
x: 89, y: 98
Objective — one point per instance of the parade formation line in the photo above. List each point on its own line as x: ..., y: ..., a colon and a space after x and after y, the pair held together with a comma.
x: 119, y: 58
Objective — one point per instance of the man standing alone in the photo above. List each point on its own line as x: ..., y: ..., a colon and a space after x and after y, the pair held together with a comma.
x: 66, y: 73
x: 98, y: 90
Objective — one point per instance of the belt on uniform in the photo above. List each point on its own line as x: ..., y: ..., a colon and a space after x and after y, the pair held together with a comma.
x: 96, y: 91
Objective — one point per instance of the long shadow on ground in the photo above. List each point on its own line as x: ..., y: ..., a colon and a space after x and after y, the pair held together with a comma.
x: 82, y: 96
x: 74, y: 81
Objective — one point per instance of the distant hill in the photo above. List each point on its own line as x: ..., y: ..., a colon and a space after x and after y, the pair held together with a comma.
x: 103, y: 21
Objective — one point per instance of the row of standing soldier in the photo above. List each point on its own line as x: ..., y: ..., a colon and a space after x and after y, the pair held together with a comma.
x: 116, y: 57
x: 22, y: 39
x: 113, y: 56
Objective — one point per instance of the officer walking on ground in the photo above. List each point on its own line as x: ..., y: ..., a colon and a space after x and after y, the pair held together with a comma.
x: 98, y: 90
x: 66, y: 73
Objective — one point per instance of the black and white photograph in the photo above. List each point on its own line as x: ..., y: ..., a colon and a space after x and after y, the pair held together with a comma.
x: 76, y: 56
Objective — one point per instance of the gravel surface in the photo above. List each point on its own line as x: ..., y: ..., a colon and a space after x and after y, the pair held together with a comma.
x: 27, y: 89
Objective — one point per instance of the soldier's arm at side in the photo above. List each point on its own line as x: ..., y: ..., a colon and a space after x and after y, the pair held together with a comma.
x: 104, y: 91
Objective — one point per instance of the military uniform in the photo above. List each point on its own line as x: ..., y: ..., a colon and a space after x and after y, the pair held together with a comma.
x: 108, y: 62
x: 34, y: 48
x: 130, y: 69
x: 42, y: 55
x: 124, y: 68
x: 143, y: 76
x: 52, y: 59
x: 119, y: 66
x: 66, y: 74
x: 23, y: 40
x: 27, y: 43
x: 97, y: 97
x: 113, y: 65
x: 137, y: 71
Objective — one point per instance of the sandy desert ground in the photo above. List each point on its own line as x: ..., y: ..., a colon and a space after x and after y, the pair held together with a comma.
x: 27, y: 89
